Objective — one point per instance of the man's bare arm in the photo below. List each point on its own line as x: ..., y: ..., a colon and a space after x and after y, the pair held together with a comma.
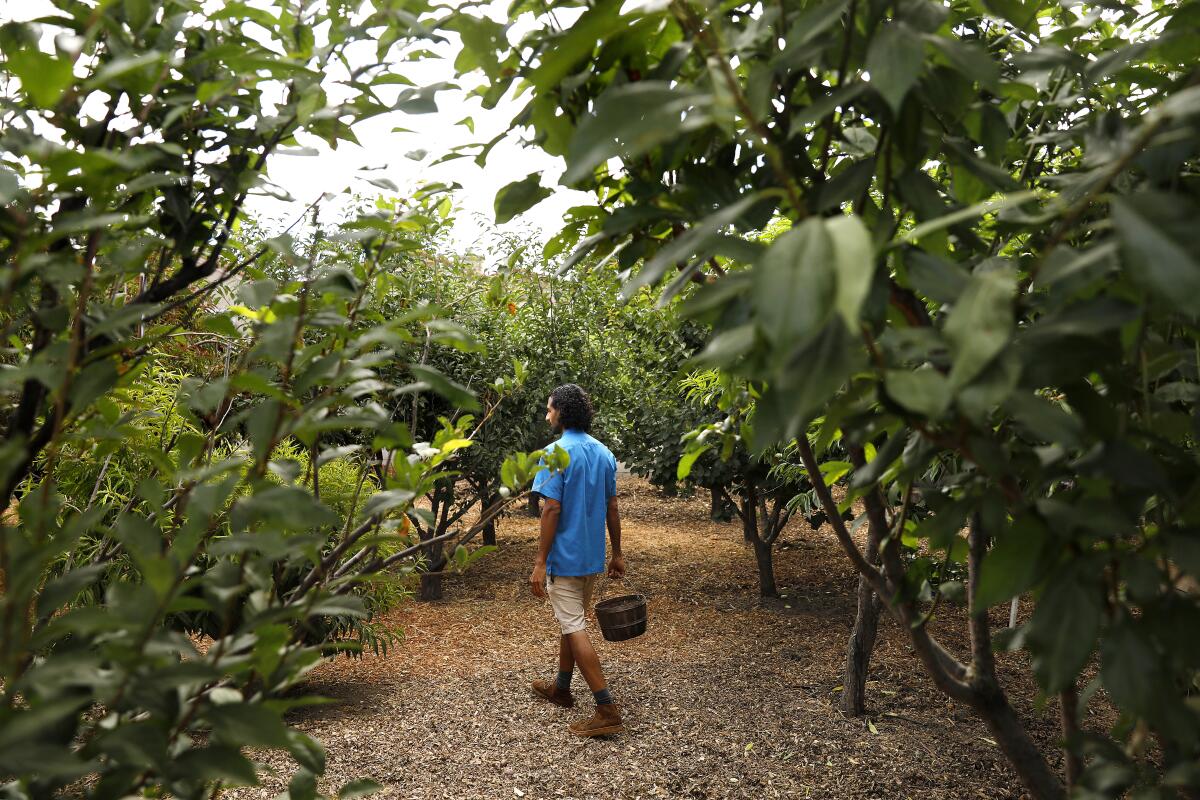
x: 613, y: 518
x: 616, y: 567
x: 551, y: 510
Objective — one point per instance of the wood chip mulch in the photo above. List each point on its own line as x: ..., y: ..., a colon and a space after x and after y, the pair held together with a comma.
x: 724, y: 696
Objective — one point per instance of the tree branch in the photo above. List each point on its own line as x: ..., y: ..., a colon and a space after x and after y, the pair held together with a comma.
x: 837, y: 523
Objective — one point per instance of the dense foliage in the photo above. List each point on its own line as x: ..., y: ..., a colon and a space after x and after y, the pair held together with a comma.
x: 975, y: 309
x: 530, y: 332
x: 989, y: 276
x: 193, y: 514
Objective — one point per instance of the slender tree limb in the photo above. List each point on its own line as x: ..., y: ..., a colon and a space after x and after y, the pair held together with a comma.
x: 982, y: 661
x: 835, y: 519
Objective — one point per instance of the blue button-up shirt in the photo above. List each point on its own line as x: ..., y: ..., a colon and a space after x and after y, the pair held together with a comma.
x: 583, y: 489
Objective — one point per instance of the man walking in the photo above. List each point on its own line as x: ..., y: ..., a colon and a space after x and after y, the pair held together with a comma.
x: 579, y: 502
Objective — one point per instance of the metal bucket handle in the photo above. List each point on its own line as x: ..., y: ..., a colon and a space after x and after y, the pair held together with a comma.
x: 624, y: 579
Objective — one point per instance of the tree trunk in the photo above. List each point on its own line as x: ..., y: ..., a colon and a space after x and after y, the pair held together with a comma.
x: 489, y: 530
x: 766, y: 568
x: 859, y: 649
x: 718, y: 508
x: 750, y: 515
x: 1022, y: 753
x: 431, y: 582
x: 535, y: 505
x: 989, y: 699
x: 431, y: 587
x: 748, y: 529
x: 976, y: 686
x: 866, y: 624
x: 1070, y: 731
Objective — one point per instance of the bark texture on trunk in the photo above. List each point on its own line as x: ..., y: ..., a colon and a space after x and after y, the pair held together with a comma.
x: 859, y: 648
x: 431, y: 587
x: 861, y: 643
x: 718, y: 508
x: 1020, y: 750
x: 435, y: 562
x: 749, y: 514
x: 489, y: 529
x: 988, y: 698
x: 766, y: 568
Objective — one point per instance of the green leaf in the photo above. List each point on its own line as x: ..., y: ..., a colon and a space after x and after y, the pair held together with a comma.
x: 340, y: 606
x: 794, y: 286
x: 980, y: 324
x: 421, y: 99
x: 120, y: 67
x: 92, y: 382
x: 1063, y: 629
x: 43, y: 77
x: 1159, y: 256
x: 1014, y: 563
x: 453, y: 391
x: 1132, y: 669
x: 565, y: 52
x: 727, y: 346
x: 1047, y: 421
x: 688, y: 460
x: 247, y: 724
x: 970, y: 59
x: 519, y: 196
x: 825, y: 105
x: 980, y: 398
x: 855, y: 264
x: 216, y: 763
x: 10, y: 185
x: 895, y: 60
x: 1063, y: 263
x: 697, y: 239
x: 874, y: 469
x: 359, y: 788
x: 302, y: 786
x: 811, y: 23
x: 934, y: 277
x: 456, y: 444
x: 382, y: 502
x: 943, y: 527
x: 1022, y: 13
x: 288, y: 507
x: 65, y: 588
x: 482, y: 39
x: 802, y: 386
x: 33, y: 723
x: 630, y: 119
x: 963, y: 215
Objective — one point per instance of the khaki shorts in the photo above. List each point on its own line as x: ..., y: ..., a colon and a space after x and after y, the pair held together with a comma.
x: 570, y: 597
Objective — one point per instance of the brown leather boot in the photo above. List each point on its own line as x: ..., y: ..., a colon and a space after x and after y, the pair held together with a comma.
x: 606, y: 720
x: 550, y: 691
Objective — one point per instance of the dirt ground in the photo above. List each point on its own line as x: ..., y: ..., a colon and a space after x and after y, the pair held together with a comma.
x: 723, y: 696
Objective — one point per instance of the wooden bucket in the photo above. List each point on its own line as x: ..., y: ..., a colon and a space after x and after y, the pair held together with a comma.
x: 622, y: 617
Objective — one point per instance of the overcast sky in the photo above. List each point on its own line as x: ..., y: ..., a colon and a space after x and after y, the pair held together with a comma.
x: 332, y: 171
x: 306, y: 177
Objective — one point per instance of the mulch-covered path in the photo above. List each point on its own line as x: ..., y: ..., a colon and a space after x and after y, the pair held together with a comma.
x: 723, y: 696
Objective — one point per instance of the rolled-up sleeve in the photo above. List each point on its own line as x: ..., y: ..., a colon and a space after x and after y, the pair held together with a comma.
x: 610, y: 483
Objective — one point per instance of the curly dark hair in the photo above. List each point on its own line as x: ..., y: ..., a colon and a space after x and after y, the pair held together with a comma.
x: 574, y: 407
